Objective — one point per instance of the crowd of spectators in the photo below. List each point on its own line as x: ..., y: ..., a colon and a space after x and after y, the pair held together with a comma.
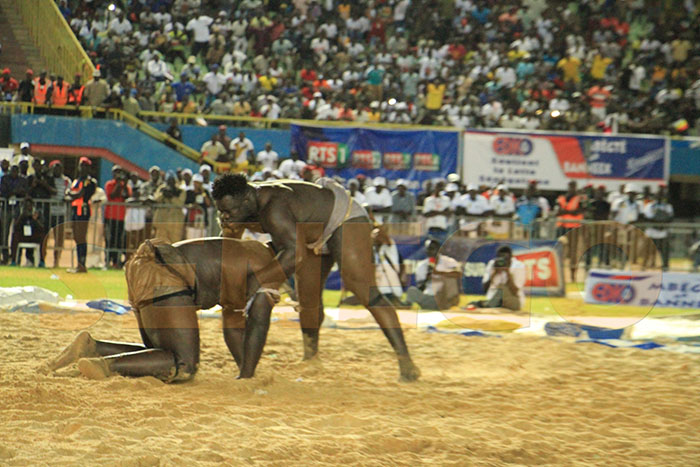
x: 178, y: 205
x: 592, y: 65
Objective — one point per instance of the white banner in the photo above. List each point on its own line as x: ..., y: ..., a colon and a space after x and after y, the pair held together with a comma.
x: 554, y: 159
x: 637, y: 288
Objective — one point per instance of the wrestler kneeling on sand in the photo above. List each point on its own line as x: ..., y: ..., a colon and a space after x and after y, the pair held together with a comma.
x: 167, y: 285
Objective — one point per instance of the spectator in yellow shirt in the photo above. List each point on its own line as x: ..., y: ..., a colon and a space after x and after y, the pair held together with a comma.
x: 570, y: 69
x: 599, y: 65
x: 434, y: 95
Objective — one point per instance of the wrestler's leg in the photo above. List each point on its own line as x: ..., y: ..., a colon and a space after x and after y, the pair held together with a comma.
x: 172, y: 327
x: 352, y: 250
x: 309, y: 279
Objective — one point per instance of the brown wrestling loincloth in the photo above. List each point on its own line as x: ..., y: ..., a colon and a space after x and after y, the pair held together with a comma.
x: 344, y: 208
x: 156, y: 270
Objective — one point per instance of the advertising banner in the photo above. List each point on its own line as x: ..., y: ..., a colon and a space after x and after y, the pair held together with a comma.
x: 555, y: 159
x: 412, y: 155
x: 670, y: 289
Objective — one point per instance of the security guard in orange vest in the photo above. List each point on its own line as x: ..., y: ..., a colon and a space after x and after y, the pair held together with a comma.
x: 569, y: 216
x: 58, y: 92
x: 75, y: 92
x: 81, y: 190
x: 41, y: 89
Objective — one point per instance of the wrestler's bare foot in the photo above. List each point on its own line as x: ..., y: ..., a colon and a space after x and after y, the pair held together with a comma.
x: 83, y: 346
x: 409, y: 371
x: 94, y: 368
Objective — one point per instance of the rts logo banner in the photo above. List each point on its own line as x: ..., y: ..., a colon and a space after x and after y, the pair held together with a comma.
x: 425, y: 161
x: 327, y: 154
x: 397, y: 160
x: 366, y: 159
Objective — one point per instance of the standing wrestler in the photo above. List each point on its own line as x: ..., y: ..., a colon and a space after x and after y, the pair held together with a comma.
x: 167, y: 285
x: 81, y: 190
x: 313, y: 226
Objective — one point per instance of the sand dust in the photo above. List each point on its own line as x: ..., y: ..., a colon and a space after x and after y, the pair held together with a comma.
x: 481, y: 401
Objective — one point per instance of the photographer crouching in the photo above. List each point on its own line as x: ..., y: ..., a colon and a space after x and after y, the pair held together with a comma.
x: 503, y: 282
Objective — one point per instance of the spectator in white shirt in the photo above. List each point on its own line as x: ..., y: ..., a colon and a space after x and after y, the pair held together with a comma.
x: 471, y: 204
x: 120, y: 25
x: 502, y: 204
x: 504, y: 282
x: 436, y: 209
x: 379, y: 199
x: 213, y: 149
x: 355, y: 193
x: 158, y: 69
x: 241, y: 149
x: 626, y: 210
x: 292, y: 167
x: 659, y: 213
x: 200, y: 27
x: 437, y: 280
x: 267, y: 157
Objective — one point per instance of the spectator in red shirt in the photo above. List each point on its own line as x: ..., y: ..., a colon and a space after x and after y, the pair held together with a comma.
x: 8, y: 85
x: 117, y: 191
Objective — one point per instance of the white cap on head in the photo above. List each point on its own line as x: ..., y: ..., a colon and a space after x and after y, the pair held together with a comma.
x: 379, y: 181
x: 631, y: 188
x: 186, y: 171
x: 24, y: 145
x: 198, y: 178
x: 204, y: 168
x: 472, y: 187
x: 453, y: 178
x: 452, y: 187
x: 400, y: 182
x: 502, y: 188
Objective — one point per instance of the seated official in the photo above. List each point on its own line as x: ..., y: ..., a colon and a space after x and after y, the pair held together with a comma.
x: 438, y: 279
x: 28, y: 229
x: 503, y: 282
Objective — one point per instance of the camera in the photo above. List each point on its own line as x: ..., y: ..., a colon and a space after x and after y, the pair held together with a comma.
x: 500, y: 262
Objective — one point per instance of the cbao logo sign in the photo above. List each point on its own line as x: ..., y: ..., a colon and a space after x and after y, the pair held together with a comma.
x: 327, y: 154
x: 426, y: 161
x: 397, y: 160
x: 366, y: 159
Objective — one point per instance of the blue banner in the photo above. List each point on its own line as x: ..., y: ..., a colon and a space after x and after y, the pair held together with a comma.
x: 542, y: 259
x: 412, y: 155
x: 685, y: 156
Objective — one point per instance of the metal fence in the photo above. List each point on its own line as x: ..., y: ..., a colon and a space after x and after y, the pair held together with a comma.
x: 116, y: 229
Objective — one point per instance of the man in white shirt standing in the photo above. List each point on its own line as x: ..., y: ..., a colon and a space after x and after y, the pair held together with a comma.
x: 504, y: 282
x: 292, y: 167
x: 241, y: 148
x: 267, y: 157
x: 200, y: 28
x: 436, y: 209
x: 379, y: 199
x: 660, y: 213
x: 471, y: 204
x: 626, y: 210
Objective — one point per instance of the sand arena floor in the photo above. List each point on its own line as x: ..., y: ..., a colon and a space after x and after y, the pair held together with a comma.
x: 481, y: 401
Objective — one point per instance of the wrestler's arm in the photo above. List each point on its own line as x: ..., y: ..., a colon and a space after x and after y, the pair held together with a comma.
x: 278, y: 221
x: 257, y: 322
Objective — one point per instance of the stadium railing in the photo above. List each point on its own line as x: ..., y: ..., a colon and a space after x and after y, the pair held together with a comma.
x: 86, y: 111
x: 630, y: 240
x: 54, y: 38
